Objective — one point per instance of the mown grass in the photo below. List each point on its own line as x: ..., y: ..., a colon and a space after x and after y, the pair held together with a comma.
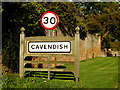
x: 100, y: 72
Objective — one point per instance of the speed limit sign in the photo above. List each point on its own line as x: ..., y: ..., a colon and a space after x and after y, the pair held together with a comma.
x: 49, y: 20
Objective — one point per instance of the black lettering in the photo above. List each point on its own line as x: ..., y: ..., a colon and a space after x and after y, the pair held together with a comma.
x: 32, y: 46
x: 66, y: 46
x: 52, y: 19
x: 45, y: 46
x: 37, y: 47
x: 49, y: 46
x: 54, y: 46
x: 61, y: 46
x: 46, y: 20
x: 41, y: 46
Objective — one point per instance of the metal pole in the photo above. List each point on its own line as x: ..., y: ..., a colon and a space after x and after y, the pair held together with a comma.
x: 49, y: 59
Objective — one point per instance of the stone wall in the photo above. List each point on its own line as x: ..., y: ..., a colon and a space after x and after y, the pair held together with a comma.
x: 89, y: 47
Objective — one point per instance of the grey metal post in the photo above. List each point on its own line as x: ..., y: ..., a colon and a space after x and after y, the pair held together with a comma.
x: 49, y: 59
x: 21, y: 57
x: 77, y: 53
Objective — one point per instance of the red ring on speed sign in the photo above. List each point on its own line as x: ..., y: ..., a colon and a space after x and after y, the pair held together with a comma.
x: 47, y: 18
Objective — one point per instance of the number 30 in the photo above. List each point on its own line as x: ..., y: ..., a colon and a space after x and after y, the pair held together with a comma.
x: 52, y: 20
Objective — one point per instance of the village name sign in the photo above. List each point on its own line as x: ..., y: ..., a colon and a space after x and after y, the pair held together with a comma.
x: 54, y: 47
x: 49, y: 46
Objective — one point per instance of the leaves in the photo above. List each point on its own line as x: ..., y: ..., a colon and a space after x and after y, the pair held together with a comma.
x: 107, y: 20
x: 90, y: 17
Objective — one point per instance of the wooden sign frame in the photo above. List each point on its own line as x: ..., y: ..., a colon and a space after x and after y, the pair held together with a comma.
x: 48, y: 39
x: 75, y: 52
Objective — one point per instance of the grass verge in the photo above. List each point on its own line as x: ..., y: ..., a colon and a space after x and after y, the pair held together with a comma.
x: 99, y: 72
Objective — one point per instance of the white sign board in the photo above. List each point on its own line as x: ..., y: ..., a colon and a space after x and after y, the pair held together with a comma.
x: 49, y: 47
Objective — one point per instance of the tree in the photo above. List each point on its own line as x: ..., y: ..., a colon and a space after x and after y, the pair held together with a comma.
x: 93, y: 7
x: 17, y: 15
x: 116, y: 45
x: 67, y: 12
x: 106, y: 22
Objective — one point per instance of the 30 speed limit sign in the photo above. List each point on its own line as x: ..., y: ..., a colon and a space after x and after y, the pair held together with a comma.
x: 49, y: 20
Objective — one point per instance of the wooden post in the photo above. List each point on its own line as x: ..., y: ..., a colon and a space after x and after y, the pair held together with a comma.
x: 21, y: 57
x: 77, y: 53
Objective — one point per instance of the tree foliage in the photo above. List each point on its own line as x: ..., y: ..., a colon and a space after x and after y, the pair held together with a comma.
x: 17, y: 15
x: 116, y: 45
x: 106, y: 22
x: 92, y: 18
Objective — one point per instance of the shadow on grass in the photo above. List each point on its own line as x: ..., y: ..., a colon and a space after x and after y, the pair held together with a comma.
x: 60, y: 67
x: 53, y: 75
